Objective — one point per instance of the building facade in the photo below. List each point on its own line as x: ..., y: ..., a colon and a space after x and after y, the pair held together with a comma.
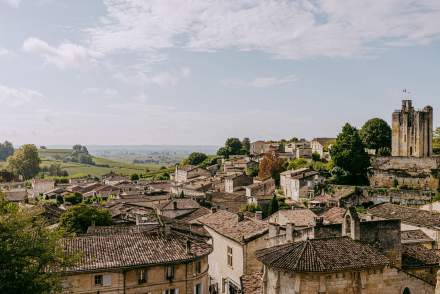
x: 412, y: 131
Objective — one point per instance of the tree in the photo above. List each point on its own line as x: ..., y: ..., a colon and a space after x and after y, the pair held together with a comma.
x: 6, y: 150
x: 196, y: 158
x: 436, y: 141
x: 80, y: 154
x: 25, y: 161
x: 233, y: 146
x: 223, y: 151
x: 27, y: 249
x: 316, y: 156
x: 348, y: 153
x: 298, y: 163
x: 246, y: 146
x: 134, y: 177
x: 78, y: 218
x: 74, y: 198
x: 274, y: 205
x: 376, y: 134
x: 271, y: 166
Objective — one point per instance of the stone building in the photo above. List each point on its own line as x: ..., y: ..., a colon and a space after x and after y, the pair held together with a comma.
x: 299, y: 183
x: 40, y: 186
x: 235, y: 239
x: 368, y: 257
x: 157, y: 261
x: 412, y: 131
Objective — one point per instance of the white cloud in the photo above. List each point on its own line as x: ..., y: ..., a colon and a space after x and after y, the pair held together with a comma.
x: 12, y: 3
x: 100, y: 93
x: 283, y: 28
x: 169, y: 78
x: 65, y: 56
x: 18, y: 97
x: 260, y: 82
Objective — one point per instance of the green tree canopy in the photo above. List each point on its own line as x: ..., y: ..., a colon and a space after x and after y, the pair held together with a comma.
x: 134, y: 177
x: 246, y: 145
x: 436, y: 141
x: 298, y: 163
x: 78, y: 218
x: 376, y: 134
x: 25, y: 161
x: 74, y: 198
x: 196, y: 158
x: 27, y: 249
x: 348, y: 153
x: 6, y: 150
x: 233, y: 146
x: 274, y: 206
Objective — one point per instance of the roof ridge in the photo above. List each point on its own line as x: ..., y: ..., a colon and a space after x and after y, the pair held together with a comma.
x: 317, y: 255
x: 302, y: 253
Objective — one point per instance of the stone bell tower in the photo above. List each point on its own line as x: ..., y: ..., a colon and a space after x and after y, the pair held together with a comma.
x: 412, y: 131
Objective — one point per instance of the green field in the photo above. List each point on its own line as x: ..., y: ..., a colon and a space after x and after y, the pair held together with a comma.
x: 103, y: 165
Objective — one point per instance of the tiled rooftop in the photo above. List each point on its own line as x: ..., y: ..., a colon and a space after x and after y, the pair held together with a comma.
x: 414, y: 236
x: 252, y: 283
x: 133, y: 249
x: 406, y: 214
x: 322, y: 255
x: 228, y: 225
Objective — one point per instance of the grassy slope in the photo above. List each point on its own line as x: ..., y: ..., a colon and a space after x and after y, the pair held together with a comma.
x: 48, y: 157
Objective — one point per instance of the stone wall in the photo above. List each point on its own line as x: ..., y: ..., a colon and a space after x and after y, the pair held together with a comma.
x: 373, y: 281
x: 411, y: 172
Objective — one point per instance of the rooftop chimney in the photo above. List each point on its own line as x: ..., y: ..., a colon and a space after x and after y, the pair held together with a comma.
x: 290, y: 228
x: 240, y: 216
x: 258, y: 215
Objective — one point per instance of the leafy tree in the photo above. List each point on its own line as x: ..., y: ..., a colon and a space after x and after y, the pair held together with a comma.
x: 74, y: 198
x: 252, y: 171
x: 80, y: 154
x: 274, y: 205
x: 376, y: 134
x: 25, y: 161
x: 252, y: 207
x: 223, y: 151
x: 348, y: 153
x: 196, y: 158
x: 234, y: 146
x: 246, y: 145
x: 55, y: 170
x: 436, y: 141
x: 298, y: 163
x: 316, y: 156
x: 384, y: 151
x: 271, y: 166
x: 27, y: 249
x: 78, y: 218
x: 6, y: 150
x: 134, y: 177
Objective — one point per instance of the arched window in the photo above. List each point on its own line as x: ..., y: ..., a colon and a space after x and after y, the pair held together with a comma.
x: 347, y: 225
x: 406, y: 291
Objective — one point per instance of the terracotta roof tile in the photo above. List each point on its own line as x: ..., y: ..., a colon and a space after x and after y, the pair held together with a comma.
x: 334, y: 215
x: 414, y: 236
x: 227, y: 224
x: 252, y: 283
x: 416, y: 255
x: 322, y: 255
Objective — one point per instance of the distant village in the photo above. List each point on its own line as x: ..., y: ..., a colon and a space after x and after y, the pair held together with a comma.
x: 357, y: 213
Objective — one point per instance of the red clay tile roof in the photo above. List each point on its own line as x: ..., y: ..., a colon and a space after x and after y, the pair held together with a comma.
x: 252, y: 283
x: 131, y: 250
x: 417, y: 255
x: 227, y: 224
x: 300, y: 216
x: 334, y: 215
x: 406, y: 214
x: 414, y: 236
x: 322, y: 255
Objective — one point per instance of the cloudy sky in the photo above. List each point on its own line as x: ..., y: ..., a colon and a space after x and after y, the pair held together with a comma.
x: 186, y: 72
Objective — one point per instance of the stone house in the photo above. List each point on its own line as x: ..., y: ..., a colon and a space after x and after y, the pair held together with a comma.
x: 235, y: 182
x: 183, y: 174
x: 40, y: 186
x: 158, y: 261
x: 231, y: 202
x: 411, y: 218
x: 299, y: 183
x: 322, y: 146
x: 302, y: 217
x: 293, y: 146
x: 368, y: 258
x: 235, y: 239
x: 260, y: 188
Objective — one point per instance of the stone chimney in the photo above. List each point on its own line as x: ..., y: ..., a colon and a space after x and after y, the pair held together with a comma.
x: 240, y: 216
x: 274, y: 230
x: 290, y: 228
x: 258, y: 215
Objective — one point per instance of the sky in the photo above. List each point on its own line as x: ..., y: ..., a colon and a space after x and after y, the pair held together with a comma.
x: 194, y: 72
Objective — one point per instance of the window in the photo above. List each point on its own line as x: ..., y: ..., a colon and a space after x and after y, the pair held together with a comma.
x: 171, y: 291
x: 347, y: 225
x: 169, y: 273
x: 198, y: 289
x: 142, y: 276
x: 406, y: 291
x: 99, y: 280
x: 229, y: 254
x: 198, y: 267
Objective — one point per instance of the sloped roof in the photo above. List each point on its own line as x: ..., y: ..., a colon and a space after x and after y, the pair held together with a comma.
x: 334, y: 215
x: 322, y: 255
x: 299, y: 217
x: 132, y: 249
x: 406, y: 214
x: 252, y: 283
x: 414, y: 236
x: 227, y: 224
x: 417, y: 255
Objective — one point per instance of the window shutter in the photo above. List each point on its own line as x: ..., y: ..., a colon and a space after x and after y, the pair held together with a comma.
x: 177, y: 291
x: 107, y: 280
